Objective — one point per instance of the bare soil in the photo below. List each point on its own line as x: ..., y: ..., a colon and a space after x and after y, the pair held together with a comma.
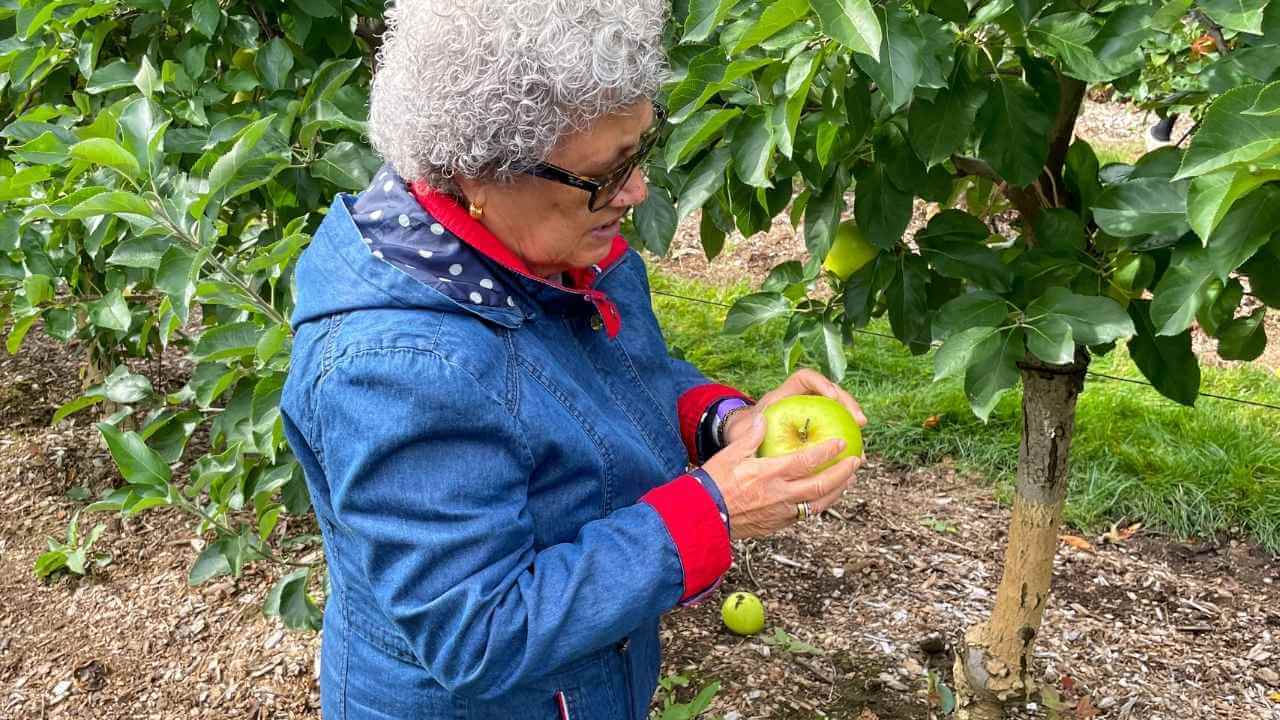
x: 1151, y: 628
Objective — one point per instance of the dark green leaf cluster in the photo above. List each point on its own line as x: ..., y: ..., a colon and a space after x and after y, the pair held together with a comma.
x: 959, y: 116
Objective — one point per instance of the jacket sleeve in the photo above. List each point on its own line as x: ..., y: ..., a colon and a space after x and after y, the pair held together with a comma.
x: 696, y: 398
x: 434, y: 505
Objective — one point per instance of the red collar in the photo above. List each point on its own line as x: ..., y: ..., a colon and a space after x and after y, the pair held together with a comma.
x: 449, y: 213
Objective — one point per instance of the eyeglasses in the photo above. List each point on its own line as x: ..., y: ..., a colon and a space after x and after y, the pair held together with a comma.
x: 605, y: 188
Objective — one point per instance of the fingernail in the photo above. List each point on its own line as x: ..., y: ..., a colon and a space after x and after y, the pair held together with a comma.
x: 840, y: 446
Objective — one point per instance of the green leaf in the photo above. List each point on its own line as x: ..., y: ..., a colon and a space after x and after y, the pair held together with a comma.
x: 908, y: 303
x: 705, y: 16
x: 779, y: 15
x: 1169, y: 17
x: 114, y: 75
x: 655, y: 221
x: 20, y: 329
x: 827, y: 347
x: 1050, y: 339
x: 882, y: 210
x: 695, y: 132
x: 271, y: 343
x: 1239, y: 15
x: 174, y: 277
x: 1125, y: 30
x: 851, y: 23
x: 705, y: 180
x: 993, y: 370
x: 224, y: 342
x: 258, y: 155
x: 148, y: 80
x: 141, y: 252
x: 142, y: 127
x: 1212, y: 196
x: 939, y: 127
x: 205, y: 16
x: 38, y: 289
x: 1168, y: 362
x: 274, y: 62
x: 1219, y: 307
x: 956, y: 353
x: 822, y: 218
x: 1268, y: 102
x: 288, y: 599
x: 346, y: 164
x: 139, y: 464
x: 755, y: 309
x: 1014, y: 126
x: 897, y: 67
x: 1228, y: 136
x: 973, y: 309
x: 1067, y: 35
x: 75, y: 406
x: 102, y: 151
x: 786, y: 116
x: 115, y: 202
x: 1147, y: 206
x: 125, y: 387
x: 111, y: 312
x: 753, y: 148
x: 953, y: 243
x: 1094, y: 320
x: 1245, y: 338
x: 211, y: 563
x: 1263, y: 270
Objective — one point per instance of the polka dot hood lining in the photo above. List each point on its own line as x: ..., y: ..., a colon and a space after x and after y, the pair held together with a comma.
x: 399, y: 232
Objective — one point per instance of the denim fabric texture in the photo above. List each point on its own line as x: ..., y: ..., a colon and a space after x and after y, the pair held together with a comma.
x: 480, y: 473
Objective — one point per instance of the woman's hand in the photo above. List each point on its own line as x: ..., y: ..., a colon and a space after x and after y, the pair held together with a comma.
x: 801, y: 382
x: 762, y: 494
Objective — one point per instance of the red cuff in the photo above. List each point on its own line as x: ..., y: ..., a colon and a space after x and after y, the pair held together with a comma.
x: 702, y: 542
x: 690, y: 408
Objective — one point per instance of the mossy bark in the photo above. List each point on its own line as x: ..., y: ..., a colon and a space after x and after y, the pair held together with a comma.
x: 994, y: 664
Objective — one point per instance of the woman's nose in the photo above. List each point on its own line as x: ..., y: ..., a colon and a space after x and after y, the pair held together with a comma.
x: 634, y: 192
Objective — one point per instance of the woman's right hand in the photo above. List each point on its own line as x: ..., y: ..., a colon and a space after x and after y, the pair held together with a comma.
x: 762, y: 493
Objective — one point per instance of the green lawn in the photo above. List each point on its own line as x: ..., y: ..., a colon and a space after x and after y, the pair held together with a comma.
x: 1136, y: 455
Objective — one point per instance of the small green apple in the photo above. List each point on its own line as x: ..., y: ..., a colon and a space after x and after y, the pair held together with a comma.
x: 796, y: 422
x: 849, y: 252
x: 743, y: 613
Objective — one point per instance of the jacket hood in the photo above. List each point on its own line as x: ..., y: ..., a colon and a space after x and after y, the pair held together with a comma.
x: 380, y: 249
x: 395, y: 245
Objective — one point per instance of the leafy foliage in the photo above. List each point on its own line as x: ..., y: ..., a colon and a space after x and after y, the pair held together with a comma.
x: 970, y: 108
x: 164, y: 162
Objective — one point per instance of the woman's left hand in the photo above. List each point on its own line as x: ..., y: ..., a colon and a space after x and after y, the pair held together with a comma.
x: 801, y: 382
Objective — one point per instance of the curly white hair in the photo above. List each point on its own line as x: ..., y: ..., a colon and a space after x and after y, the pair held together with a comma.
x: 483, y: 88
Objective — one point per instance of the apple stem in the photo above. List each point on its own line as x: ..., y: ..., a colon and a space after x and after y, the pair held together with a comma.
x: 804, y: 431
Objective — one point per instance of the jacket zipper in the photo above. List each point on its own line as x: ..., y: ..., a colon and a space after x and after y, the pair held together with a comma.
x: 626, y: 671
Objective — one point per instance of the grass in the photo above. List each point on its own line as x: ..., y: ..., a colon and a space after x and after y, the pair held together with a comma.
x: 1191, y: 472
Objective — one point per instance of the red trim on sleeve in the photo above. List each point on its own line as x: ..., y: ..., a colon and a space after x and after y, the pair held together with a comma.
x: 691, y: 406
x: 701, y: 539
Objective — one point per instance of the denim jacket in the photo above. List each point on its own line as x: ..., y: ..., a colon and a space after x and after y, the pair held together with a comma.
x: 502, y: 468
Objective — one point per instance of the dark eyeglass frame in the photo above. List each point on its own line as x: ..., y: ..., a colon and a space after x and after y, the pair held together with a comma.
x: 605, y: 188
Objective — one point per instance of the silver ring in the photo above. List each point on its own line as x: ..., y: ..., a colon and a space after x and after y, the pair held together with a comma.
x: 802, y: 511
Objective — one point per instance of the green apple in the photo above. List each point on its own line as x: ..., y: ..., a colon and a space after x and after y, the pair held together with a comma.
x: 849, y: 252
x: 743, y: 613
x: 794, y: 423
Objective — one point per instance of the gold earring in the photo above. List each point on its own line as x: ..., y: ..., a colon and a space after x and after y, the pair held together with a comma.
x: 476, y: 211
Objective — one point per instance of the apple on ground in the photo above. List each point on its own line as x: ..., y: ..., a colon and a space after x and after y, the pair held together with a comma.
x: 743, y: 613
x: 799, y: 421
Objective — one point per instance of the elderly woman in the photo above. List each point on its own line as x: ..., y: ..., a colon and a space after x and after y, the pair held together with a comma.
x: 513, y: 479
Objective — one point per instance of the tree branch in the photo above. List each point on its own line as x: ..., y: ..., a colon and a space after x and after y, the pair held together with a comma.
x: 1064, y: 127
x: 1028, y: 201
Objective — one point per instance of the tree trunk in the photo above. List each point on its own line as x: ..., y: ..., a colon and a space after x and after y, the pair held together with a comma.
x: 994, y: 662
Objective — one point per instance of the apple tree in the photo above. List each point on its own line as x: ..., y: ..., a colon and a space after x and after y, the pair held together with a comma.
x: 967, y: 109
x: 163, y: 163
